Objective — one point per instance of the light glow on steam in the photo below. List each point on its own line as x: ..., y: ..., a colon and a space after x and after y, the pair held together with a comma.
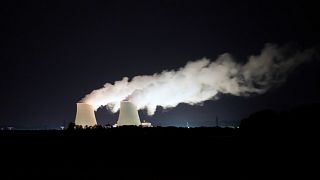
x: 202, y: 80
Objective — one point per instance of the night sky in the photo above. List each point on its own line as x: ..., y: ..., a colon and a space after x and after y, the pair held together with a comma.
x: 54, y: 53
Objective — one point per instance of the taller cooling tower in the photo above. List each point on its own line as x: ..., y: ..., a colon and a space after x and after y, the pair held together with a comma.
x: 128, y: 114
x: 85, y: 115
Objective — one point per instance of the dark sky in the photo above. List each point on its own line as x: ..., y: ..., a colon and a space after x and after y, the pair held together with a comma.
x: 54, y: 53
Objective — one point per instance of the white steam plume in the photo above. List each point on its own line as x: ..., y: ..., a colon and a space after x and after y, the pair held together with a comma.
x: 202, y: 80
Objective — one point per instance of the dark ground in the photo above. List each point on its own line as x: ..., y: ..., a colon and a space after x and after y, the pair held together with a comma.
x: 122, y: 152
x: 256, y: 150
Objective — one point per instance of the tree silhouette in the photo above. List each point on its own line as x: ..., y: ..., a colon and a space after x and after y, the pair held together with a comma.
x: 71, y: 126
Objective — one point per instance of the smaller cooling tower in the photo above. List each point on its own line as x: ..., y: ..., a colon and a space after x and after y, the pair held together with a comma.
x: 128, y: 114
x: 85, y: 115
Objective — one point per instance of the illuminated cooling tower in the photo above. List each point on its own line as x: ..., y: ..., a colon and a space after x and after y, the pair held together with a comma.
x: 85, y: 115
x: 128, y: 114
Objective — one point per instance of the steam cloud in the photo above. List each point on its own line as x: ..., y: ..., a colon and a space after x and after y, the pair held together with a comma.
x: 202, y: 80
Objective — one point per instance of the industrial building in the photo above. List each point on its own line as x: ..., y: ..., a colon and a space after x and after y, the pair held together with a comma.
x: 128, y: 115
x: 85, y: 115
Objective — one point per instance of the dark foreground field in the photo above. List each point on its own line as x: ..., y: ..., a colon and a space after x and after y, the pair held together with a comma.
x: 144, y: 153
x: 256, y: 150
x: 122, y: 152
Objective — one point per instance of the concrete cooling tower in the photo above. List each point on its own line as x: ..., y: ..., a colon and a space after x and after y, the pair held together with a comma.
x: 85, y: 115
x: 128, y: 114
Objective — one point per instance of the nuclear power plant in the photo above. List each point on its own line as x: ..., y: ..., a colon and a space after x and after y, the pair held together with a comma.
x: 85, y: 115
x: 128, y: 115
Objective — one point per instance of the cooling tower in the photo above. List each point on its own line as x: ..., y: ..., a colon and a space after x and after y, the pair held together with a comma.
x: 128, y: 114
x: 85, y: 115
